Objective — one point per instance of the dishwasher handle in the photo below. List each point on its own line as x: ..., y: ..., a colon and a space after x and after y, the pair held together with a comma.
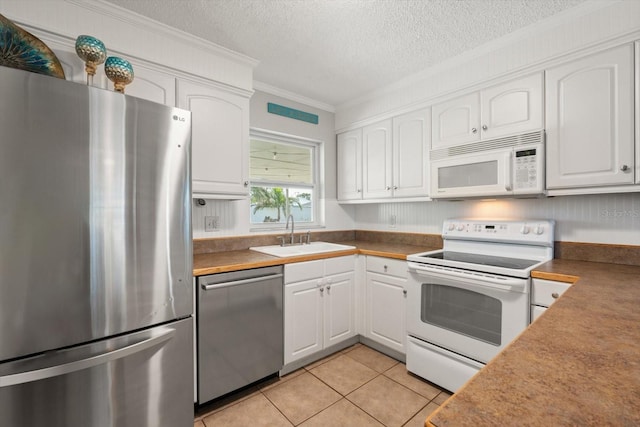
x: 240, y: 282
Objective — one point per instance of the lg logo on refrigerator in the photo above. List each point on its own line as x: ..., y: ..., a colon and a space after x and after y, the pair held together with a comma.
x: 178, y: 118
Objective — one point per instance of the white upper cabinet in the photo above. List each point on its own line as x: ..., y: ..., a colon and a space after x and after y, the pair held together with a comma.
x: 505, y: 109
x: 152, y: 85
x: 149, y: 84
x: 411, y: 137
x: 456, y: 121
x: 376, y: 160
x: 637, y: 83
x: 387, y: 160
x: 349, y: 154
x: 589, y: 115
x: 513, y: 107
x: 220, y: 140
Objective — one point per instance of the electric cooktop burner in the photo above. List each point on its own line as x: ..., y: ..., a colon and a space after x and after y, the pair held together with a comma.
x: 503, y: 247
x: 495, y: 261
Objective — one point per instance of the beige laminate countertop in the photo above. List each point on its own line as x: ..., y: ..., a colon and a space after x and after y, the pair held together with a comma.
x: 578, y: 364
x: 221, y: 262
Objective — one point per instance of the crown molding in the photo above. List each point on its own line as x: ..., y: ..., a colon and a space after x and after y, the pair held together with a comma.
x: 119, y: 13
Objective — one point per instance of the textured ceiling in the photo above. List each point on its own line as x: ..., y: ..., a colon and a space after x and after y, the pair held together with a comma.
x: 334, y: 51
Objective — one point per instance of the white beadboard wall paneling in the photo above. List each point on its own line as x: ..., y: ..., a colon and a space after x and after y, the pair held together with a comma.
x: 132, y: 35
x: 602, y: 218
x: 593, y: 25
x: 234, y: 218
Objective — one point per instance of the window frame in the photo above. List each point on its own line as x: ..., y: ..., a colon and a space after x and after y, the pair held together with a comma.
x: 317, y: 176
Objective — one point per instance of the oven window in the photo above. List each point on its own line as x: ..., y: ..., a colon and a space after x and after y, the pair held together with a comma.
x: 459, y: 310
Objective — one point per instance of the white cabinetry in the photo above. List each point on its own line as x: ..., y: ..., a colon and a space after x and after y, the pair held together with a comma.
x: 152, y: 85
x: 385, y: 291
x: 386, y: 160
x: 220, y: 139
x: 376, y: 160
x: 411, y: 140
x: 149, y: 84
x: 589, y: 115
x: 543, y: 294
x: 505, y: 109
x: 349, y: 154
x: 318, y: 305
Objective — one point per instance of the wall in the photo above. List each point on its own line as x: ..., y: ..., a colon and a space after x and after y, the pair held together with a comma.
x: 603, y: 218
x: 234, y: 215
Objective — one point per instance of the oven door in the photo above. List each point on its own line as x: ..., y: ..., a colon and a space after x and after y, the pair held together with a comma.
x: 469, y: 313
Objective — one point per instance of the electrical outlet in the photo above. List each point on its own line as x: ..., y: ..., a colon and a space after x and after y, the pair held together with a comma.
x: 392, y: 221
x: 211, y: 223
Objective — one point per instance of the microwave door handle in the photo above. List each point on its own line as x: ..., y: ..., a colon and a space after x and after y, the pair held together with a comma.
x: 508, y: 172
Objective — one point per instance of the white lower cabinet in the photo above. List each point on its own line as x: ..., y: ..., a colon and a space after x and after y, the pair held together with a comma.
x: 319, y: 305
x: 385, y: 291
x: 543, y: 294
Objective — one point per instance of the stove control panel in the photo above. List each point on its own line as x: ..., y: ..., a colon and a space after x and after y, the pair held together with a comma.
x: 537, y: 232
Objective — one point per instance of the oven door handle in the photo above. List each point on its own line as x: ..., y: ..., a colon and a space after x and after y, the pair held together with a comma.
x: 482, y: 279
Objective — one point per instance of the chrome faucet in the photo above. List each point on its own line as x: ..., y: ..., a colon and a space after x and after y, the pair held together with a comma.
x: 290, y: 217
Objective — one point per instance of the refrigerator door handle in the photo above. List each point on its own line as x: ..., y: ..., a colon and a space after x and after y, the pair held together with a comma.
x: 89, y: 362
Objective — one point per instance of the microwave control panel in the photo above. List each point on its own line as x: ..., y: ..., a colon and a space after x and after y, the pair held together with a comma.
x: 528, y: 169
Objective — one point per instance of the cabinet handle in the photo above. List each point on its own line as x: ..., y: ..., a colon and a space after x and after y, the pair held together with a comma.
x: 624, y: 168
x: 404, y: 292
x: 385, y: 268
x: 328, y: 288
x: 359, y: 190
x: 555, y: 295
x: 388, y: 188
x: 395, y: 187
x: 474, y: 130
x: 484, y: 127
x: 246, y: 183
x: 321, y: 290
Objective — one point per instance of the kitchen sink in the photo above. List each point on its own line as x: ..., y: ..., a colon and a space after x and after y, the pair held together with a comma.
x: 294, y: 250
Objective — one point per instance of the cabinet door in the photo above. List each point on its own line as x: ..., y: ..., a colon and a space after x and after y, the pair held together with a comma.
x: 589, y: 116
x: 385, y: 310
x: 339, y: 314
x: 302, y: 319
x: 376, y: 160
x: 411, y: 140
x: 456, y: 121
x: 152, y: 85
x: 349, y: 154
x: 220, y: 139
x: 511, y: 108
x: 74, y: 70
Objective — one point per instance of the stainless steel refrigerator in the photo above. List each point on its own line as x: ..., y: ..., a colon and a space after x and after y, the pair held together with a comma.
x: 96, y: 297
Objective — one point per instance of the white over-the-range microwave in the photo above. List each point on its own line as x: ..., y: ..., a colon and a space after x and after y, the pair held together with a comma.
x: 509, y: 166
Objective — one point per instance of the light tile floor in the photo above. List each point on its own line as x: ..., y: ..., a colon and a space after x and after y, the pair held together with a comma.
x: 354, y: 387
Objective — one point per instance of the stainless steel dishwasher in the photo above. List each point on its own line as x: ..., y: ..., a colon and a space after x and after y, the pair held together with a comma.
x: 240, y: 329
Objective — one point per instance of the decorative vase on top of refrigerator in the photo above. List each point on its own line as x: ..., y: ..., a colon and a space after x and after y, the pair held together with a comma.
x: 96, y: 297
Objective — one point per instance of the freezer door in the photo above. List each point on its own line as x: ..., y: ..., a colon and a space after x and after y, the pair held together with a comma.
x: 95, y: 218
x: 137, y: 380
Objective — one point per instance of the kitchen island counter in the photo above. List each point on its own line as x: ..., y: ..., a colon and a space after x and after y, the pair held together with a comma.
x: 578, y: 364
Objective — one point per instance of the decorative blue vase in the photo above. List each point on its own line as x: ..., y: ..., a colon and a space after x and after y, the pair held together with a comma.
x: 92, y: 52
x: 22, y: 50
x: 119, y: 71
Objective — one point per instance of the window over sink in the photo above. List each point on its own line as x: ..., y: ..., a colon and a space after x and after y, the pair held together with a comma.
x: 284, y: 175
